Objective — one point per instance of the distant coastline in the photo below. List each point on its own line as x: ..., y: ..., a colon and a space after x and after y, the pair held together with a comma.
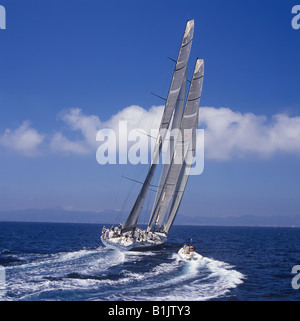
x: 109, y: 217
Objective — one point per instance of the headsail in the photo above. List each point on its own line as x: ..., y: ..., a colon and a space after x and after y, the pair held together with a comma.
x: 187, y: 126
x: 183, y: 178
x: 176, y: 84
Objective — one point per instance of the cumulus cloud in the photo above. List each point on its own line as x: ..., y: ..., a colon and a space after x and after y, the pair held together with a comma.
x: 137, y: 118
x: 77, y: 121
x: 60, y: 143
x: 88, y: 126
x: 230, y: 134
x: 24, y: 139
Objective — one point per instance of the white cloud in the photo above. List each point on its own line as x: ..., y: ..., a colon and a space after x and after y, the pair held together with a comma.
x: 60, y: 143
x: 89, y: 125
x: 137, y: 118
x: 76, y: 121
x: 24, y: 139
x: 230, y: 134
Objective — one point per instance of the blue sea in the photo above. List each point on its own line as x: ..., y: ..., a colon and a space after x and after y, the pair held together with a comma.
x: 67, y: 262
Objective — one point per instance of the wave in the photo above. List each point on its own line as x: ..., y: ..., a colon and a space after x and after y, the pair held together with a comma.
x: 103, y: 274
x: 187, y: 281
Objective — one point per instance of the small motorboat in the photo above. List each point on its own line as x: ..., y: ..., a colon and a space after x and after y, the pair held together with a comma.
x: 187, y: 252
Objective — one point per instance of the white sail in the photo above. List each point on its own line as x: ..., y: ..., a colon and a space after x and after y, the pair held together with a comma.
x: 179, y: 73
x: 177, y: 80
x: 179, y: 108
x: 187, y: 125
x: 182, y: 181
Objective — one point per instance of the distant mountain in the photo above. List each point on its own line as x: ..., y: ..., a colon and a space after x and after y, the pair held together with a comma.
x: 110, y: 216
x: 59, y: 215
x: 245, y: 220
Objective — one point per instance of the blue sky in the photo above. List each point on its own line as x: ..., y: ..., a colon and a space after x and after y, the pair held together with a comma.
x: 102, y: 57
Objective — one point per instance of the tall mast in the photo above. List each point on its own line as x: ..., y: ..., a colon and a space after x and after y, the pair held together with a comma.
x: 178, y: 76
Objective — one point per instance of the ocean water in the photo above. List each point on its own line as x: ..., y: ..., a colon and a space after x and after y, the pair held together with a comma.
x: 67, y: 262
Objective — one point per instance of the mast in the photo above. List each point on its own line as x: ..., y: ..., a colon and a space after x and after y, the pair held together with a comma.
x: 187, y: 125
x: 178, y: 76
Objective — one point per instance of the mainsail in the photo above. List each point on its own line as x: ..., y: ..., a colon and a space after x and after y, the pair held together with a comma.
x: 176, y: 84
x: 179, y: 108
x: 176, y: 176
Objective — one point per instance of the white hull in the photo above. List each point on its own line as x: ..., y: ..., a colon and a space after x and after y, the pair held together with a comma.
x: 191, y: 256
x: 122, y: 244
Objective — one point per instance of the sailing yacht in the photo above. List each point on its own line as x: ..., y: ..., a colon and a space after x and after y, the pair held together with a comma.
x: 181, y: 116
